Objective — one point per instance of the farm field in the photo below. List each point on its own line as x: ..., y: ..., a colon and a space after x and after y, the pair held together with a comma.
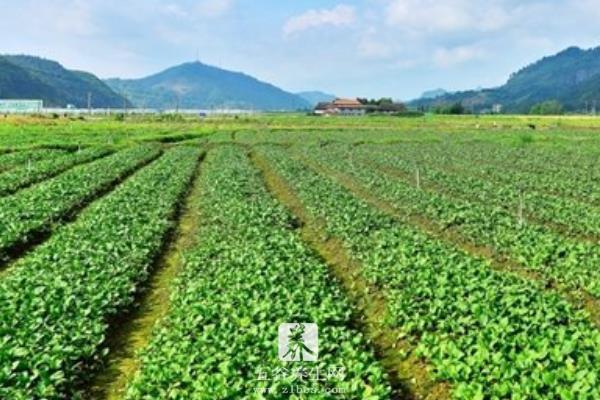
x: 415, y: 258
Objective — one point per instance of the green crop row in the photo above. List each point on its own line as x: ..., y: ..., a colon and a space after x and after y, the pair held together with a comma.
x: 490, y: 335
x: 56, y: 301
x: 556, y: 171
x: 577, y: 186
x: 461, y: 182
x: 249, y: 273
x: 26, y: 175
x: 33, y: 211
x: 571, y: 262
x: 17, y: 158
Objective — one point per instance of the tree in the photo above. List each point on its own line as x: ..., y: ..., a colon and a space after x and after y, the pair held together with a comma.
x: 454, y: 108
x: 550, y: 107
x: 376, y: 102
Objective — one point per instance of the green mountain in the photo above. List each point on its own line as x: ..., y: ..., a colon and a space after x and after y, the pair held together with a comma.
x: 316, y: 97
x: 17, y: 83
x: 28, y: 77
x: 433, y: 94
x: 199, y: 86
x: 571, y: 77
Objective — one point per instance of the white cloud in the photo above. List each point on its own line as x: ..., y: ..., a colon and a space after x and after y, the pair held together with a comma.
x: 374, y: 45
x: 68, y: 17
x: 214, y: 8
x: 370, y: 47
x: 341, y: 15
x: 201, y: 9
x: 449, y: 57
x: 434, y: 17
x: 174, y: 10
x: 589, y: 7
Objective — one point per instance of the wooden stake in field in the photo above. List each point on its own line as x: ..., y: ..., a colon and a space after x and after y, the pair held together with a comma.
x: 418, y: 177
x: 521, y: 206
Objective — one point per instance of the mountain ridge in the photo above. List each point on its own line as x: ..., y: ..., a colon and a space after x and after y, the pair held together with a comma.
x: 315, y: 97
x: 196, y: 85
x: 571, y: 77
x: 31, y: 77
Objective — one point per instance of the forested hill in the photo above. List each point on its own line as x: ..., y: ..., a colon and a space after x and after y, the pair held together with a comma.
x: 199, y: 86
x: 28, y: 77
x: 571, y: 77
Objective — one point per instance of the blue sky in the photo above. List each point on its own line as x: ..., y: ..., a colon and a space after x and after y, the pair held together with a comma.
x: 396, y: 48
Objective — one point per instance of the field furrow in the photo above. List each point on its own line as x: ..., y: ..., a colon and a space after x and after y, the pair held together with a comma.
x: 556, y: 257
x: 30, y: 215
x: 131, y: 333
x: 564, y: 173
x: 566, y: 215
x: 56, y: 301
x: 408, y: 374
x: 577, y: 298
x: 489, y: 334
x: 24, y: 176
x: 18, y: 158
x: 249, y: 273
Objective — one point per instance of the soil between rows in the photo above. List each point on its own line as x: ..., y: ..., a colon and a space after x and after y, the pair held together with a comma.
x: 578, y: 298
x: 132, y: 331
x: 408, y: 374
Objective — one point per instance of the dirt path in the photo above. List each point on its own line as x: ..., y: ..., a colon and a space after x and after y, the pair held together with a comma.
x: 578, y: 298
x: 133, y: 331
x: 408, y: 374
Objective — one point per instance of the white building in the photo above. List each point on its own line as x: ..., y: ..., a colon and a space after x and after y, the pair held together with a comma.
x: 17, y: 106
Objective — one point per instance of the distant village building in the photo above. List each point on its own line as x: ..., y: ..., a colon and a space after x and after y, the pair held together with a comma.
x: 341, y: 107
x: 21, y: 106
x: 321, y: 109
x: 497, y: 109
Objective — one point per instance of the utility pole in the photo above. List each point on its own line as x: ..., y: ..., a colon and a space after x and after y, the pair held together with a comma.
x: 89, y: 103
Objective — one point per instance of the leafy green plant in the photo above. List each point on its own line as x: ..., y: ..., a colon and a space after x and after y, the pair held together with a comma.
x: 18, y: 158
x: 56, y: 301
x: 483, y: 211
x: 489, y: 334
x: 31, y: 173
x: 248, y: 274
x: 33, y: 211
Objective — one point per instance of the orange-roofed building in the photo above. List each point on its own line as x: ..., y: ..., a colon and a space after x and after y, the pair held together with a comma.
x: 341, y: 107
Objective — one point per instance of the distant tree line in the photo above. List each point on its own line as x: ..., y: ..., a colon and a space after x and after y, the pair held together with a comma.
x: 382, y: 105
x: 550, y: 107
x: 451, y: 108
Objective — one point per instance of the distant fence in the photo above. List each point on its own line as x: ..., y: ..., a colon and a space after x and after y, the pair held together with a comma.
x: 115, y: 111
x: 21, y: 106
